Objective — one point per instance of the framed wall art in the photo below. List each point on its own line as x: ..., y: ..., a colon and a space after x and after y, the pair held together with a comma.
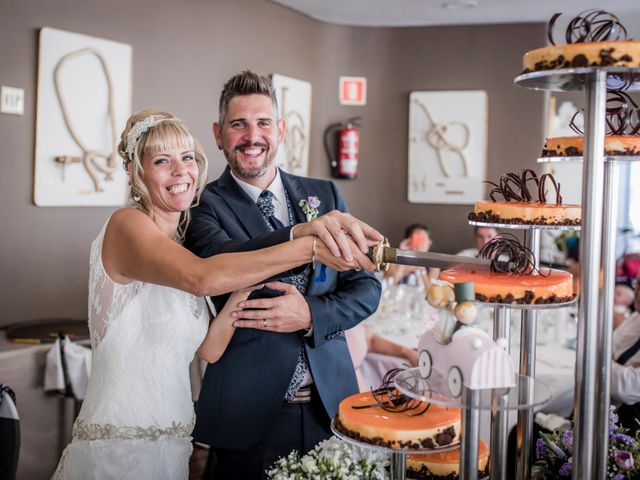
x: 447, y: 146
x: 294, y: 102
x: 84, y: 100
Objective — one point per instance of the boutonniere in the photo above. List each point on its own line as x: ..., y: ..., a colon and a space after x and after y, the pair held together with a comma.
x: 310, y: 207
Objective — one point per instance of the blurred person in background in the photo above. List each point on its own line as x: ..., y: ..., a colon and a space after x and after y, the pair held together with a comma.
x: 481, y: 235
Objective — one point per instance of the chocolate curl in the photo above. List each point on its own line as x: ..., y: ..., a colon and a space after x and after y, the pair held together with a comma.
x: 622, y: 116
x: 542, y: 191
x: 590, y: 26
x: 516, y: 258
x: 515, y: 187
x: 511, y: 193
x: 534, y: 178
x: 391, y: 400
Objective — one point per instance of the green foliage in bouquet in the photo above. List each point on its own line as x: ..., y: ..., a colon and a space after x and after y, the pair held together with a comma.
x: 332, y: 459
x: 554, y: 454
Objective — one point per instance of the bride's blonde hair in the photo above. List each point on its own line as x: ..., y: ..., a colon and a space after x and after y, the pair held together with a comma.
x: 146, y: 133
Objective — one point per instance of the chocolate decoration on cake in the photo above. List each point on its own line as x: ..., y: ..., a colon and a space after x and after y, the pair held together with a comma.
x: 389, y: 399
x: 508, y: 255
x: 513, y: 187
x: 589, y: 26
x: 622, y: 116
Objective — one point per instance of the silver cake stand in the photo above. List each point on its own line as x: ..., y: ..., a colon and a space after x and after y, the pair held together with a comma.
x: 608, y: 158
x: 528, y: 328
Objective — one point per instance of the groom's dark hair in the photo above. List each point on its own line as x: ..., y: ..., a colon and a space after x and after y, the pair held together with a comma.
x: 246, y: 83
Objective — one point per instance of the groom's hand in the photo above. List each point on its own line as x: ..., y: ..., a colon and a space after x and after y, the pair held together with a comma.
x: 285, y: 314
x: 333, y: 227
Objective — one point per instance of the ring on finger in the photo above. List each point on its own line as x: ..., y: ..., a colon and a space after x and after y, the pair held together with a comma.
x: 264, y: 322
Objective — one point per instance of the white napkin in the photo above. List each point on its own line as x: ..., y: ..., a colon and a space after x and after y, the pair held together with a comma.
x: 78, y: 361
x: 552, y: 422
x: 53, y: 374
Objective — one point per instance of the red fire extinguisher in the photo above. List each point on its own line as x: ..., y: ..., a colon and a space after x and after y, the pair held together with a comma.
x: 345, y: 163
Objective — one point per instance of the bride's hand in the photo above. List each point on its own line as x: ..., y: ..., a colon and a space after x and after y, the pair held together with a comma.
x: 235, y: 298
x: 360, y: 260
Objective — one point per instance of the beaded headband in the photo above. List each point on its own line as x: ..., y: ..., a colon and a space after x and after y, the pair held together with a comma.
x: 136, y: 132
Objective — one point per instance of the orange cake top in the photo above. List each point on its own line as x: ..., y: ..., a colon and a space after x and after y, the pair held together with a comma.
x: 555, y: 277
x: 434, y: 417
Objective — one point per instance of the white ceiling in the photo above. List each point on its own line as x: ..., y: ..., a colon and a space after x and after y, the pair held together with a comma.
x: 399, y: 13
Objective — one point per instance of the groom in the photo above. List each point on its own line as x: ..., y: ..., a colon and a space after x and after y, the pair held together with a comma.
x: 287, y: 367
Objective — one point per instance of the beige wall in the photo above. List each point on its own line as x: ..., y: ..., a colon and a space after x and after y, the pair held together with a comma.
x: 184, y: 51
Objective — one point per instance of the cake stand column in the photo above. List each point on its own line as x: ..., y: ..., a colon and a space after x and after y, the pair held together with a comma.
x: 499, y: 414
x: 586, y: 396
x: 527, y: 367
x: 398, y: 467
x: 470, y: 434
x: 603, y: 387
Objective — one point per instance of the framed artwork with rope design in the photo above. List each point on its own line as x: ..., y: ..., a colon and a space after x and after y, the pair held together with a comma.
x: 84, y: 100
x: 447, y: 146
x: 294, y: 102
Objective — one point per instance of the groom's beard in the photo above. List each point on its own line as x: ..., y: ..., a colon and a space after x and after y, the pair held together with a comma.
x: 250, y: 171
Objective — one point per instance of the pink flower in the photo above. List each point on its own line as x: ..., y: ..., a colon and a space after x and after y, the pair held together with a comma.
x: 313, y: 201
x: 624, y: 460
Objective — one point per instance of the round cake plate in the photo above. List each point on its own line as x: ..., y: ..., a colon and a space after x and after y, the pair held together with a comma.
x: 528, y: 306
x: 435, y: 390
x: 569, y: 79
x: 523, y: 226
x: 381, y: 448
x: 607, y: 158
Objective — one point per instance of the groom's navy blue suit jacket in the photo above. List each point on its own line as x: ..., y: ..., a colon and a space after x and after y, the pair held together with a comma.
x: 242, y: 393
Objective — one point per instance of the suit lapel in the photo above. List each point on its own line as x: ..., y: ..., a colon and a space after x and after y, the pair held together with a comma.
x: 297, y: 191
x: 247, y: 212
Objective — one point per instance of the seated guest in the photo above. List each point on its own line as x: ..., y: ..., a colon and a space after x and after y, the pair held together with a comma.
x: 361, y: 342
x: 622, y: 303
x: 416, y: 237
x: 481, y: 235
x: 625, y: 369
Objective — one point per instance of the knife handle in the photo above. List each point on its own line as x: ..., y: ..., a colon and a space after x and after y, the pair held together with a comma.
x: 378, y: 254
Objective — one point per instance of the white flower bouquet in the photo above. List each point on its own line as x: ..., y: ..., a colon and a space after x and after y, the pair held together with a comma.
x: 332, y: 459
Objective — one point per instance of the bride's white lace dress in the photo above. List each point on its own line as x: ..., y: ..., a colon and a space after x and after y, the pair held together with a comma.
x: 137, y: 417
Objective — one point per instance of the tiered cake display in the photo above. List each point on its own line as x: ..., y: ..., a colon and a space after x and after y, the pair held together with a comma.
x: 453, y: 362
x: 598, y: 59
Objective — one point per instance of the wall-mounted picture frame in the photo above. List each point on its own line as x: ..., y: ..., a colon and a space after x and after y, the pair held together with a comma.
x: 294, y: 103
x: 84, y: 100
x: 447, y: 152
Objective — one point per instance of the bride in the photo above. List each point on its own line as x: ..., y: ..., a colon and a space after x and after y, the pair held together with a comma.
x: 146, y: 317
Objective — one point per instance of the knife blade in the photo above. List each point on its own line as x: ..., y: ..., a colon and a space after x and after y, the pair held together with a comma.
x: 382, y: 255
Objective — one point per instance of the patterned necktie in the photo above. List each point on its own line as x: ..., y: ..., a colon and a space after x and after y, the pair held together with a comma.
x: 300, y: 281
x: 265, y: 204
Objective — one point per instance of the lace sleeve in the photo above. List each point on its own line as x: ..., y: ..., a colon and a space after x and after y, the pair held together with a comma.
x: 107, y: 298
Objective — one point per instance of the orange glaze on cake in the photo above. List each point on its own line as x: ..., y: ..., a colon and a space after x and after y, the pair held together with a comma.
x: 557, y: 287
x: 624, y: 53
x: 441, y: 464
x: 399, y: 429
x: 574, y: 146
x: 526, y: 213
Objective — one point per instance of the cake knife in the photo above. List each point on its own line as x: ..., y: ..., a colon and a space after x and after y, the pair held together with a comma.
x: 383, y: 254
